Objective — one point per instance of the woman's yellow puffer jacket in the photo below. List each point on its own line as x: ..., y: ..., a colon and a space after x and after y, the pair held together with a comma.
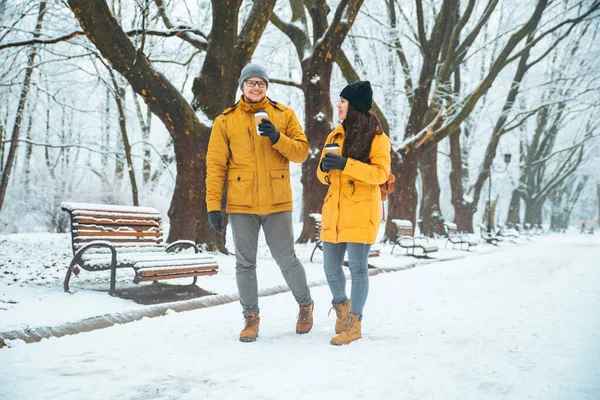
x: 257, y: 172
x: 352, y: 207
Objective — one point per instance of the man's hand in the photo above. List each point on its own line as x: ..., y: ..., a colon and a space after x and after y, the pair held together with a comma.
x: 215, y: 218
x: 266, y: 128
x: 333, y: 161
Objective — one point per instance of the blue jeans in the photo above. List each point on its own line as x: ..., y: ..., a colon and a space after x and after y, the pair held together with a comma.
x: 333, y: 255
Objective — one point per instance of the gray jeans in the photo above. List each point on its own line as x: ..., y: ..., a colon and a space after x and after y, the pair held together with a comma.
x: 280, y: 239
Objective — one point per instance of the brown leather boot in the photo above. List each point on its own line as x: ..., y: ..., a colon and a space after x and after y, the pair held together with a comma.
x: 305, y: 319
x: 250, y: 331
x: 341, y: 311
x: 351, y: 331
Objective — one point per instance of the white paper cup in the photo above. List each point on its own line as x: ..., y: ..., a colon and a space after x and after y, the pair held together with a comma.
x: 258, y: 117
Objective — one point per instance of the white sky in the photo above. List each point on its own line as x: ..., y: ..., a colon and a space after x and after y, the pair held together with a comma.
x: 515, y: 322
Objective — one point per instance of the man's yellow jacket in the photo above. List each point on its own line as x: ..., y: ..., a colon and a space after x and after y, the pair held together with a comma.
x: 257, y: 172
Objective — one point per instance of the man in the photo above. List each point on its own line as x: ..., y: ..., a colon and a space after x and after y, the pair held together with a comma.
x: 254, y: 160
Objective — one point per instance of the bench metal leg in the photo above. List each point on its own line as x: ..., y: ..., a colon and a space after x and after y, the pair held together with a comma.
x: 113, y: 272
x: 317, y: 246
x: 68, y: 276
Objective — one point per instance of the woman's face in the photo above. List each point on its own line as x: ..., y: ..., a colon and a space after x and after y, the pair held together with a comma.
x: 342, y: 107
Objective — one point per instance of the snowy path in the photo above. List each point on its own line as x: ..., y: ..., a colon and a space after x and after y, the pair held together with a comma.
x: 520, y: 323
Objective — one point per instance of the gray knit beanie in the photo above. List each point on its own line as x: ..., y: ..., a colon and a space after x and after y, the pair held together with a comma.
x: 252, y: 70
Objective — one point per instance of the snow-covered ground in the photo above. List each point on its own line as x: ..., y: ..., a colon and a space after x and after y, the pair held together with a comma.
x: 514, y: 322
x: 33, y: 266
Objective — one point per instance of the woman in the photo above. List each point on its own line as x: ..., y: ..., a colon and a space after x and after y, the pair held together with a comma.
x: 352, y: 207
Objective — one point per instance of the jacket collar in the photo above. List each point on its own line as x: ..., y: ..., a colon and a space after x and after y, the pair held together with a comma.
x: 338, y: 131
x: 253, y: 107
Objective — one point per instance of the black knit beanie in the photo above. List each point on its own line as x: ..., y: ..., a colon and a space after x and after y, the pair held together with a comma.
x: 360, y: 95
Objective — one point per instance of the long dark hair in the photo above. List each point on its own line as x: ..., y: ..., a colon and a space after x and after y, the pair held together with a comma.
x: 360, y: 129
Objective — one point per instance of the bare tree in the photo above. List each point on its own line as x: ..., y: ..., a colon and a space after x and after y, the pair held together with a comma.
x: 214, y: 90
x: 403, y: 205
x: 563, y: 201
x: 317, y: 52
x: 21, y: 107
x: 545, y: 168
x: 465, y: 206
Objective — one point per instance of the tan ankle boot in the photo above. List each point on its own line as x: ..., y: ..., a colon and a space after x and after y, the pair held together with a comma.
x: 341, y: 311
x: 351, y: 331
x: 250, y: 331
x: 305, y: 319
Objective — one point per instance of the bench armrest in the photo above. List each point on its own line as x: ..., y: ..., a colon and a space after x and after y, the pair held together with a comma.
x: 182, y: 243
x: 113, y: 262
x: 412, y: 240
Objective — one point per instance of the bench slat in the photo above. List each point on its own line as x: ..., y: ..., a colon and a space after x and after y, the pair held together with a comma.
x: 119, y: 234
x: 134, y: 221
x: 175, y: 276
x: 176, y: 263
x: 175, y: 270
x: 144, y: 257
x: 81, y: 240
x: 123, y: 247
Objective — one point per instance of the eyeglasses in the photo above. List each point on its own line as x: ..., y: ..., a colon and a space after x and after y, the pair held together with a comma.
x: 260, y: 84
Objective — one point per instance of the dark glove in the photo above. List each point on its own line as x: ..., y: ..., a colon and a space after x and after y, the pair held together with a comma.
x: 333, y: 161
x: 266, y: 128
x: 215, y: 218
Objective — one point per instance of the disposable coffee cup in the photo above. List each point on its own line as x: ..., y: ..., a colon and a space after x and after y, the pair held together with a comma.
x: 332, y: 148
x: 258, y: 117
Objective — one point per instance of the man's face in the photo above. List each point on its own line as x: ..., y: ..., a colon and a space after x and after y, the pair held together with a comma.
x: 253, y: 92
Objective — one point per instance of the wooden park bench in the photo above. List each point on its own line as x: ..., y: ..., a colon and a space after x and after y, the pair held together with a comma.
x: 507, y: 233
x: 455, y: 237
x: 316, y: 233
x: 107, y: 237
x: 531, y: 231
x: 489, y: 237
x: 524, y: 231
x: 404, y: 238
x: 317, y: 225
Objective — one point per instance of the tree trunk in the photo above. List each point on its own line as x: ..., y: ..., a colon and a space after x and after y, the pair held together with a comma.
x: 328, y: 41
x: 403, y: 203
x: 214, y: 91
x: 430, y: 205
x: 189, y: 183
x: 21, y: 107
x: 463, y: 210
x: 2, y: 130
x: 28, y: 151
x: 514, y: 209
x: 598, y: 193
x: 533, y: 211
x: 317, y: 102
x: 119, y: 96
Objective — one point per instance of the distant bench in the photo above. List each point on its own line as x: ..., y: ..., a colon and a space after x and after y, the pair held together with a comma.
x: 455, y: 237
x: 404, y: 238
x: 107, y: 237
x: 489, y: 237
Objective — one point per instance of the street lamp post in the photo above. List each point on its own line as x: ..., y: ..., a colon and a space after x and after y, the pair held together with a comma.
x: 507, y: 157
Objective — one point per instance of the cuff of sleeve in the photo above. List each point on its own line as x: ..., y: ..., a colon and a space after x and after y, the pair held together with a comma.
x: 213, y: 206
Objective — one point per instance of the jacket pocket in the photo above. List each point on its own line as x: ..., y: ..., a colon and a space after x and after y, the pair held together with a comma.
x: 281, y: 188
x: 356, y: 211
x: 240, y: 188
x: 328, y: 220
